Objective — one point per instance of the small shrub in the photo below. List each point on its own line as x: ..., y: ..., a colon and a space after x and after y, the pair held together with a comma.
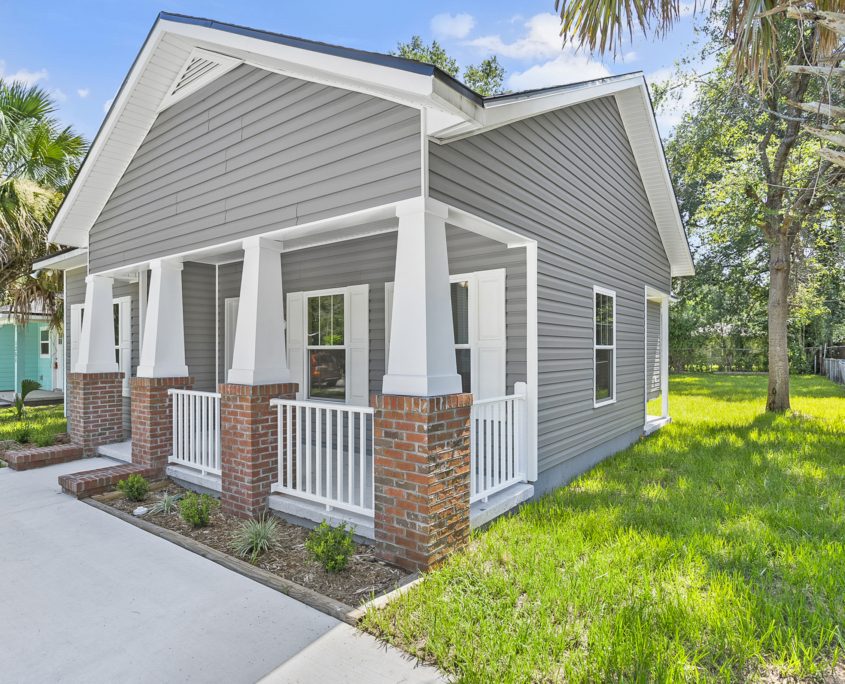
x: 167, y: 504
x: 134, y: 487
x: 44, y: 439
x: 254, y: 537
x: 27, y: 386
x: 331, y: 546
x: 196, y: 509
x: 22, y: 433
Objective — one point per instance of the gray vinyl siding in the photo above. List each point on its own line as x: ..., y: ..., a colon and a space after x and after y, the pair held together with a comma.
x: 569, y: 180
x: 371, y: 261
x: 199, y: 320
x: 653, y: 353
x: 75, y: 294
x: 253, y: 152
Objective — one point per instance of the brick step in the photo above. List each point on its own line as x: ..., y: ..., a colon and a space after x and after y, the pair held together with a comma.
x: 90, y: 482
x: 39, y: 457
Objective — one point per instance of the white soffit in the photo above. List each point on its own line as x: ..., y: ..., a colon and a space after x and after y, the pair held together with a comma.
x: 638, y: 119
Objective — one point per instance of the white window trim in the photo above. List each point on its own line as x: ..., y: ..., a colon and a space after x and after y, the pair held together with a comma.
x: 473, y: 345
x: 306, y: 348
x: 41, y: 330
x: 612, y: 400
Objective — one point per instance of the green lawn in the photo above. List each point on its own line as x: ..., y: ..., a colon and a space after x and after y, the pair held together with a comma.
x: 40, y: 423
x: 712, y: 550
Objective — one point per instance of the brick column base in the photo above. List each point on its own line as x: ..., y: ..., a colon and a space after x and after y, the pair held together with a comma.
x: 249, y: 448
x: 95, y: 409
x: 152, y: 420
x: 421, y: 450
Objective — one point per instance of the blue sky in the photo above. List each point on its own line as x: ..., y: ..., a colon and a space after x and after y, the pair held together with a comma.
x: 81, y: 50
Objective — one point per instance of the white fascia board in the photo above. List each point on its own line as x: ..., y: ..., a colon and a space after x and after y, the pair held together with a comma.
x: 495, y: 114
x: 644, y: 138
x: 66, y: 261
x: 342, y: 72
x: 78, y: 236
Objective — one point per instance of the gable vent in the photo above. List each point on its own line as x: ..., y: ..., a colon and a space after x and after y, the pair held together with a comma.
x: 201, y: 68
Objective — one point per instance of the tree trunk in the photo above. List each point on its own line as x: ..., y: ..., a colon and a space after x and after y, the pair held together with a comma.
x: 779, y: 264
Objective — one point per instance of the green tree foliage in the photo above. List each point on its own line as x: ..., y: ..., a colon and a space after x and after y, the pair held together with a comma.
x: 38, y: 159
x: 716, y: 163
x: 485, y: 78
x: 780, y: 71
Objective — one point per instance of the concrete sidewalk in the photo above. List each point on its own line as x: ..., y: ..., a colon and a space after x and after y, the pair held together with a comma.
x: 88, y: 598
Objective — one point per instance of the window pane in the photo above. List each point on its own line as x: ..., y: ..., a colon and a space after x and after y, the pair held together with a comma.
x: 462, y: 359
x: 116, y: 309
x: 604, y: 374
x: 460, y: 312
x: 604, y: 319
x: 327, y: 369
x: 325, y: 320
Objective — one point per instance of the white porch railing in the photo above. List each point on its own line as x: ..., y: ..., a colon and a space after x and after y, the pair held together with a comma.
x: 497, y: 444
x: 326, y: 454
x: 196, y: 430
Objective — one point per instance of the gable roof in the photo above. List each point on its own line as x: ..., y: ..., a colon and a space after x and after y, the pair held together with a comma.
x: 182, y: 54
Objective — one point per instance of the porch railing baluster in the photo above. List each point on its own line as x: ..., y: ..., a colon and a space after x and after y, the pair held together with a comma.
x: 335, y: 445
x: 196, y: 430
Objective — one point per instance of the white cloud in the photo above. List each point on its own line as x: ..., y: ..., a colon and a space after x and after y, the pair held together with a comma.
x: 83, y: 92
x: 687, y: 9
x: 107, y: 105
x: 541, y: 40
x: 25, y: 76
x: 567, y: 67
x: 58, y: 94
x: 452, y: 25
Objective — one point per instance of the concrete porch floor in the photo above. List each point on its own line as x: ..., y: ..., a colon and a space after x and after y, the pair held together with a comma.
x: 89, y: 598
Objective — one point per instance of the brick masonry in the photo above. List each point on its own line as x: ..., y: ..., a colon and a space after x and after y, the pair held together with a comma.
x: 249, y: 448
x: 152, y: 420
x: 421, y: 471
x: 95, y: 409
x: 38, y: 457
x: 91, y: 482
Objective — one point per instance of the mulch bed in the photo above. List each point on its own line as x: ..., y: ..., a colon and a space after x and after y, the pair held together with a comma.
x: 364, y: 577
x: 12, y: 445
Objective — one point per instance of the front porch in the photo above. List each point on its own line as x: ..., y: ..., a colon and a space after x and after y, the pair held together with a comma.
x: 340, y: 336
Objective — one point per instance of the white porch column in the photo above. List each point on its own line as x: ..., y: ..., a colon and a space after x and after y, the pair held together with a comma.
x: 422, y: 340
x: 259, y: 356
x: 163, y: 349
x: 96, y: 338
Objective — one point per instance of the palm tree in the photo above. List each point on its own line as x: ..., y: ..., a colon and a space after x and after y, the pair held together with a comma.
x: 779, y: 65
x: 38, y: 159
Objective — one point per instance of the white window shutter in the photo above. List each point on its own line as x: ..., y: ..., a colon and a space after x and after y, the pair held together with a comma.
x: 75, y: 331
x: 358, y: 345
x: 489, y: 350
x: 230, y: 324
x: 388, y: 319
x: 295, y: 330
x: 124, y: 327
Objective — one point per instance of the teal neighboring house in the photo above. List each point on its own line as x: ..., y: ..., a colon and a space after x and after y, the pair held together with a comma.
x: 30, y: 351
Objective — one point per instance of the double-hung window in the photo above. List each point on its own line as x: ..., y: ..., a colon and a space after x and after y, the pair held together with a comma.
x: 604, y: 346
x: 44, y: 341
x: 326, y: 345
